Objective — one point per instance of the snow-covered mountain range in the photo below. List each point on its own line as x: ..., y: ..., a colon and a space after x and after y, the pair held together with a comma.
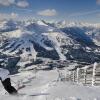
x: 91, y: 30
x: 37, y: 39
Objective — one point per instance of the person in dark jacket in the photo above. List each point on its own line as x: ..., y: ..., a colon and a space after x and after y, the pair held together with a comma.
x: 6, y: 82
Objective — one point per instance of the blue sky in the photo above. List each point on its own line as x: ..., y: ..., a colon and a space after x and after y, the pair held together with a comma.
x: 71, y: 10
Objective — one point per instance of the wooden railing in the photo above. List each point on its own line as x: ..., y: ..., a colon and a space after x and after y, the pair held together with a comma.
x: 88, y: 75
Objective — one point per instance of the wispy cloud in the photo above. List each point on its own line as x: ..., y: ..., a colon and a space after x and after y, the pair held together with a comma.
x: 18, y: 3
x: 8, y: 16
x: 98, y: 2
x: 7, y: 2
x: 24, y: 9
x: 22, y: 4
x: 47, y: 12
x: 84, y: 13
x: 14, y: 15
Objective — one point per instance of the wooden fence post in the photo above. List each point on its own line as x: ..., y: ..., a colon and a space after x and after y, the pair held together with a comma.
x: 69, y: 75
x: 78, y: 75
x: 73, y: 76
x: 94, y: 73
x: 85, y: 75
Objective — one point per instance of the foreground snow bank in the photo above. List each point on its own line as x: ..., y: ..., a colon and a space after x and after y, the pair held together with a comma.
x: 44, y: 86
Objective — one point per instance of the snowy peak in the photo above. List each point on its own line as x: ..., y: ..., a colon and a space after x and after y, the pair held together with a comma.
x: 37, y: 39
x: 39, y: 33
x: 8, y: 25
x: 82, y: 31
x: 65, y: 23
x: 41, y: 23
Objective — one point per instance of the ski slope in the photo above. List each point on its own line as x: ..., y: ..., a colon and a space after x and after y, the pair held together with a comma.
x: 44, y: 86
x: 35, y: 39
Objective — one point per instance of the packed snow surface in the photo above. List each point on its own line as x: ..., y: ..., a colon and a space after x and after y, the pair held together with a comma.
x: 43, y: 85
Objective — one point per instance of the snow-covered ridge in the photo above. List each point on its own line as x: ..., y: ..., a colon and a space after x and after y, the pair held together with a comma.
x: 24, y: 37
x: 91, y: 30
x: 37, y: 38
x: 77, y: 24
